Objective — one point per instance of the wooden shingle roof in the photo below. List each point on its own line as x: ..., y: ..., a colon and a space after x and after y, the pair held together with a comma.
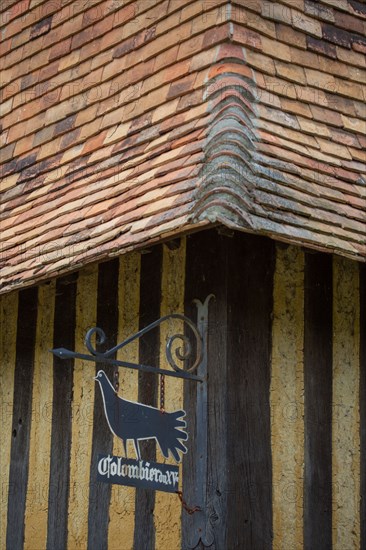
x: 127, y: 122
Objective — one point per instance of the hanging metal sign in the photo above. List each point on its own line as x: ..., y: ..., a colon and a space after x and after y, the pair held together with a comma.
x: 132, y: 421
x: 135, y: 422
x: 138, y: 473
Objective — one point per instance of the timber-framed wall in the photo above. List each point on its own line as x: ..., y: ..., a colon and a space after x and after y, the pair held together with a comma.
x: 287, y: 423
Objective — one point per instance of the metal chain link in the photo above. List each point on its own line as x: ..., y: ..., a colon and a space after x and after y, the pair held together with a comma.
x: 189, y: 510
x: 116, y: 380
x: 162, y: 393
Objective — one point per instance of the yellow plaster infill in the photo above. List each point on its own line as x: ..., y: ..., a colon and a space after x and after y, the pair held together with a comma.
x: 41, y: 425
x: 122, y: 508
x: 82, y: 413
x: 287, y: 399
x: 167, y: 505
x: 346, y: 410
x: 8, y: 333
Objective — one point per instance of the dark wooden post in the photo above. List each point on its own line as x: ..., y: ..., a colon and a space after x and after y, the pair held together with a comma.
x: 150, y: 297
x: 238, y: 270
x: 22, y: 417
x: 363, y: 401
x: 64, y: 335
x: 100, y: 493
x: 318, y: 402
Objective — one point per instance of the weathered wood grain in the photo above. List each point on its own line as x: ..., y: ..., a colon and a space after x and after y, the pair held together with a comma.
x: 363, y: 401
x: 249, y: 303
x: 8, y: 330
x: 63, y: 336
x: 150, y: 297
x: 22, y: 417
x: 206, y: 273
x: 318, y: 402
x: 100, y: 493
x: 238, y: 270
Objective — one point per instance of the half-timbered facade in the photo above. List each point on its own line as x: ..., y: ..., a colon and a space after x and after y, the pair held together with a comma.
x: 154, y: 153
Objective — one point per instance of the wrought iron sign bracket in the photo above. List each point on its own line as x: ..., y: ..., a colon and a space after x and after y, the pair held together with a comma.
x: 107, y: 357
x: 197, y: 371
x: 201, y: 531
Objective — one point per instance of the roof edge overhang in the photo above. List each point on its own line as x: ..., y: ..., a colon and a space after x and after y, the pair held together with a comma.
x: 238, y: 185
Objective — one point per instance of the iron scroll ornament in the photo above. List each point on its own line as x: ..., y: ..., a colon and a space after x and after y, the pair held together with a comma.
x: 200, y: 529
x: 183, y: 353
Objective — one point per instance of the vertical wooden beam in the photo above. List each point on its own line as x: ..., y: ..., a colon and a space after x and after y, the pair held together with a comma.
x: 238, y: 270
x: 100, y: 493
x: 167, y: 506
x: 150, y: 297
x: 249, y: 466
x: 123, y: 498
x: 82, y: 411
x: 363, y: 401
x: 8, y: 334
x: 318, y: 402
x: 60, y: 413
x: 40, y: 437
x: 22, y: 417
x: 206, y: 273
x: 287, y: 408
x: 346, y: 420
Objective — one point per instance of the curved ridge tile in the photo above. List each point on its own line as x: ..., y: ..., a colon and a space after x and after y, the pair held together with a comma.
x: 227, y: 178
x: 246, y: 184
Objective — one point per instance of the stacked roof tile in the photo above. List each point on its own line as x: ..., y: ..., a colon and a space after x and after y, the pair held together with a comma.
x: 127, y: 122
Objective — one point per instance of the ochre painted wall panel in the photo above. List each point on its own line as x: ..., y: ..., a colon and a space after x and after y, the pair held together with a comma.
x: 82, y: 412
x: 40, y: 437
x: 122, y: 507
x: 8, y: 332
x: 346, y: 406
x: 167, y: 506
x: 286, y: 395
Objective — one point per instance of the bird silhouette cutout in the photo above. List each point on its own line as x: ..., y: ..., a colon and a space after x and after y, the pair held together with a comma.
x: 136, y: 422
